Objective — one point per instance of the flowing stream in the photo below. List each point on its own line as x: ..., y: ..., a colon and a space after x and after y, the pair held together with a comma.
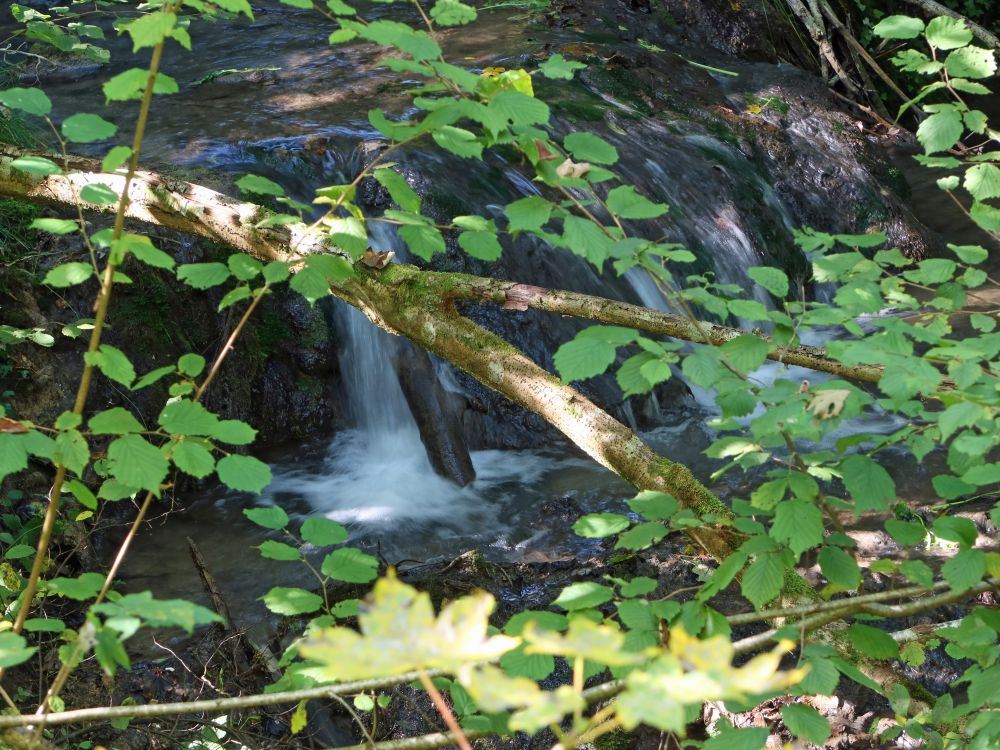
x: 375, y: 476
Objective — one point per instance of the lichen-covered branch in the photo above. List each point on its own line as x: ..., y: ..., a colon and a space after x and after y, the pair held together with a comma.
x: 522, y: 296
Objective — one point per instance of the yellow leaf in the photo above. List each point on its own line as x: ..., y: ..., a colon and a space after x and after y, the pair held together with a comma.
x: 828, y: 404
x: 399, y: 634
x: 299, y: 718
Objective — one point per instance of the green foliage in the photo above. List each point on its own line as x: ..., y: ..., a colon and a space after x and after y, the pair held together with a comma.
x: 800, y: 466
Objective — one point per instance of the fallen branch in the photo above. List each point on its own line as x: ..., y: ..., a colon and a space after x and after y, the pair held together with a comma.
x: 522, y: 296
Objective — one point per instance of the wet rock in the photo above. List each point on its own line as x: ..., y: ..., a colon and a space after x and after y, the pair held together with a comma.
x: 437, y: 416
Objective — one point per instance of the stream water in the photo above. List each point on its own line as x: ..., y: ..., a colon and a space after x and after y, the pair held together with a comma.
x: 375, y: 476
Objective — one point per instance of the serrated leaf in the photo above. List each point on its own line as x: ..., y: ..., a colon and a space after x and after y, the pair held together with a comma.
x: 291, y: 601
x: 322, y: 532
x: 243, y: 473
x: 193, y: 458
x: 940, y: 131
x: 133, y: 461
x: 653, y: 505
x: 806, y: 723
x: 279, y: 551
x: 840, y: 568
x: 872, y: 642
x: 33, y: 101
x: 773, y: 279
x: 600, y: 525
x: 68, y: 274
x: 203, y: 275
x: 271, y: 517
x: 762, y: 580
x: 350, y: 565
x: 587, y: 147
x: 628, y: 204
x: 868, y: 483
x: 899, y: 27
x: 799, y: 524
x: 583, y: 595
x: 114, y: 421
x: 87, y: 128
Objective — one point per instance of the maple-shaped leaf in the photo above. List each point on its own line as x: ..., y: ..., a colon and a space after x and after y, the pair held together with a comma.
x: 399, y: 633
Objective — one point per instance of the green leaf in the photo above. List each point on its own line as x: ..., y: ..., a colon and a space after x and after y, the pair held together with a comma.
x: 131, y: 83
x: 519, y: 109
x: 641, y: 536
x: 587, y: 239
x: 192, y: 457
x: 243, y: 473
x: 81, y: 588
x: 404, y: 196
x: 945, y: 32
x: 234, y: 432
x: 517, y: 663
x: 19, y: 551
x: 185, y: 417
x: 806, y: 723
x: 14, y: 650
x: 113, y: 363
x: 971, y: 62
x: 114, y: 421
x: 203, y: 275
x: 314, y: 279
x: 956, y: 529
x: 899, y: 27
x: 762, y: 580
x: 133, y: 461
x: 322, y: 532
x: 453, y: 13
x: 350, y: 565
x: 44, y: 625
x: 191, y: 365
x: 151, y: 29
x: 587, y: 147
x: 653, y: 505
x: 868, y: 483
x: 279, y: 551
x: 746, y: 352
x: 116, y: 158
x: 773, y: 280
x: 965, y: 569
x: 873, y: 642
x: 558, y: 67
x: 738, y: 739
x: 840, y: 568
x: 958, y: 415
x: 600, y: 525
x: 98, y: 194
x: 72, y: 451
x: 628, y: 204
x: 271, y: 517
x: 799, y: 524
x: 583, y: 595
x: 941, y: 130
x: 68, y: 274
x: 583, y: 357
x: 252, y: 183
x: 36, y: 165
x: 423, y: 240
x: 33, y: 101
x: 291, y: 601
x: 983, y: 181
x: 87, y: 128
x: 459, y: 141
x: 481, y: 245
x: 528, y: 214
